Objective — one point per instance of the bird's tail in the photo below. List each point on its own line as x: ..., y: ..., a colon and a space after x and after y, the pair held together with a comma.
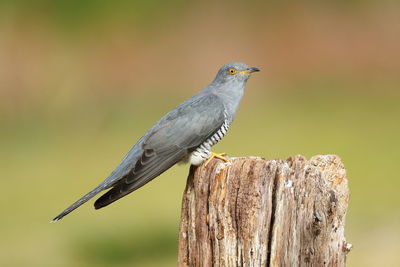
x: 78, y: 203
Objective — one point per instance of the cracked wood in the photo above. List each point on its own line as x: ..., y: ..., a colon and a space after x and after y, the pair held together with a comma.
x: 257, y: 212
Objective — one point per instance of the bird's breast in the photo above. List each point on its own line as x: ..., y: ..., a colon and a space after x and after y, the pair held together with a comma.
x: 203, y: 152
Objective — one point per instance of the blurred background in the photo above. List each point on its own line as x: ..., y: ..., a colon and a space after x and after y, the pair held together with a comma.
x: 81, y: 81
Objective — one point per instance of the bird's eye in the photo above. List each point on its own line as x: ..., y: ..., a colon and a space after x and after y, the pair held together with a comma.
x: 232, y: 71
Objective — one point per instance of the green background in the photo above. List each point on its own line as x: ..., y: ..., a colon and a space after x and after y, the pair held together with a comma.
x: 81, y: 81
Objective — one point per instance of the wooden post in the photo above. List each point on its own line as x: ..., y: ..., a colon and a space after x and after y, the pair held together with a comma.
x: 257, y: 212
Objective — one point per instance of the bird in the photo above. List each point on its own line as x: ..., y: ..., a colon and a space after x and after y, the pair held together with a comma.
x: 185, y: 134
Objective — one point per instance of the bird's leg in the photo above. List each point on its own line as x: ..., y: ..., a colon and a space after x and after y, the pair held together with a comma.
x: 215, y: 155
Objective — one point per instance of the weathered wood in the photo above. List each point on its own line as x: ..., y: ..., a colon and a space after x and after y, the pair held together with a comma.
x: 257, y: 212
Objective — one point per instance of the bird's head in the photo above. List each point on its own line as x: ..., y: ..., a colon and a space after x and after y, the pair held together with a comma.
x: 234, y: 72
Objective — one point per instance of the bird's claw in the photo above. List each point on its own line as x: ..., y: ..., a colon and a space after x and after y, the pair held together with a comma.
x: 216, y: 155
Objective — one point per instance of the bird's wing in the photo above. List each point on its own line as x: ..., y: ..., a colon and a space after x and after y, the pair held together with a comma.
x: 178, y: 133
x: 172, y: 138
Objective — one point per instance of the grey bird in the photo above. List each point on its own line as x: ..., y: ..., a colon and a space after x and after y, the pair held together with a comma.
x: 186, y: 133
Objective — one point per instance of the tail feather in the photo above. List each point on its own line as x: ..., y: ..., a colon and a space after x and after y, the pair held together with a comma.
x: 120, y: 190
x: 115, y: 193
x: 112, y: 195
x: 78, y: 203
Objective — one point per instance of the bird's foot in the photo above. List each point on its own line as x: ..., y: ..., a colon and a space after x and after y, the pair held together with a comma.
x: 216, y: 155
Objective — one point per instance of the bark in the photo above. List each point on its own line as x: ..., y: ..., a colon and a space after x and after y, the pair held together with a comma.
x: 256, y: 212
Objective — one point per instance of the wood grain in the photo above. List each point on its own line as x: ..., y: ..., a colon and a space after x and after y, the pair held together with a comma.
x: 256, y: 212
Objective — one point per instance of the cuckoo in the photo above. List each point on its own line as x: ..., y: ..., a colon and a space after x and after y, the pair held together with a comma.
x: 185, y: 134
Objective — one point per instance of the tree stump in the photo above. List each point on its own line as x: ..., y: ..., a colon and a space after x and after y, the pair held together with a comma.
x: 256, y: 212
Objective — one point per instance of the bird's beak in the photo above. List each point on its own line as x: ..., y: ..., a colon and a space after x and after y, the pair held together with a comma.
x: 249, y: 70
